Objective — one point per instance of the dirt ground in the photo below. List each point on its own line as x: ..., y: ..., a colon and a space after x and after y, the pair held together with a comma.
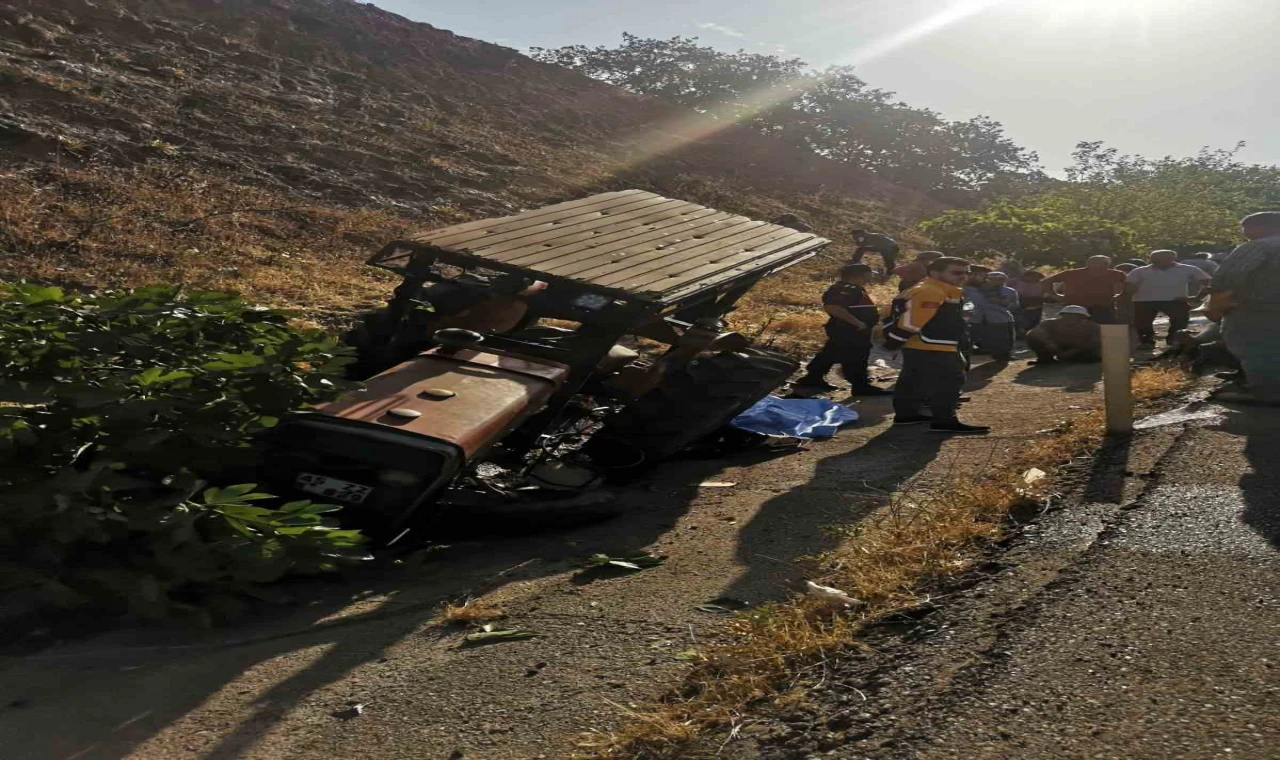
x: 284, y: 687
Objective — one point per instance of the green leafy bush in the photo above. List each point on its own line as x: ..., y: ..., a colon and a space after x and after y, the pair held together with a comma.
x: 114, y: 410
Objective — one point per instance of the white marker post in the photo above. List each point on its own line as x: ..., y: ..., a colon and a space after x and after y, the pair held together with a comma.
x: 1116, y: 379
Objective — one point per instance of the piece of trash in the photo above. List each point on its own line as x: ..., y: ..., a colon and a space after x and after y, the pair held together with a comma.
x: 353, y: 710
x: 1189, y: 413
x: 714, y: 609
x: 829, y: 594
x: 490, y: 634
x: 688, y: 655
x: 632, y: 562
x: 1034, y: 475
x: 716, y: 484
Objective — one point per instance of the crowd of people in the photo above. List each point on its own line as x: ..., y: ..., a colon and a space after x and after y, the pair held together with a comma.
x: 948, y: 308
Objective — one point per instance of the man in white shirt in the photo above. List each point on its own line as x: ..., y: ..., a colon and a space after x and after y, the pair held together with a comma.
x: 1163, y: 287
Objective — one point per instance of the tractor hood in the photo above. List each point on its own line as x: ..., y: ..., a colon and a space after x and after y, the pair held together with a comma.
x: 467, y: 397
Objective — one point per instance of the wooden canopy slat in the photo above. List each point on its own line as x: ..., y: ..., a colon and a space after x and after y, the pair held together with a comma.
x: 629, y: 241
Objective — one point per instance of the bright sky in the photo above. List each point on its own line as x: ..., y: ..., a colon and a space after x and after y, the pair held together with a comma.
x: 1154, y: 77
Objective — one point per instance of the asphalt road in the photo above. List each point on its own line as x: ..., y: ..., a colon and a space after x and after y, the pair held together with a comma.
x: 1138, y: 620
x: 1165, y: 641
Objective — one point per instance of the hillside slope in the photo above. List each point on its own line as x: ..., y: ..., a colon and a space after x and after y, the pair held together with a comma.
x: 266, y: 145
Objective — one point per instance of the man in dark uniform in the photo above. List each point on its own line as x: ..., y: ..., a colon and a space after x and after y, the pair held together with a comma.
x: 853, y: 317
x: 873, y: 242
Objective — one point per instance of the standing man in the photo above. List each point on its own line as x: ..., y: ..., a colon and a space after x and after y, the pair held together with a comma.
x: 992, y: 322
x: 928, y: 325
x: 1246, y: 290
x: 874, y: 242
x: 1093, y: 286
x: 1164, y: 287
x: 853, y: 316
x: 914, y: 272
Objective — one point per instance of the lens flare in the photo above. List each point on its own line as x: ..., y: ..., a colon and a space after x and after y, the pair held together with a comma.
x: 662, y: 138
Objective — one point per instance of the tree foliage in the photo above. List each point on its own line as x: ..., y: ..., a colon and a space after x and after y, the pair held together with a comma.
x: 832, y: 112
x: 1117, y: 205
x: 114, y: 407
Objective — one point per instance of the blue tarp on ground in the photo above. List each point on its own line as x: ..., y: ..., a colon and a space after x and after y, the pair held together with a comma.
x: 795, y: 417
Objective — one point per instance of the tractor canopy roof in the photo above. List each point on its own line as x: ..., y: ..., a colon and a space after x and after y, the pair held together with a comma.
x: 628, y: 244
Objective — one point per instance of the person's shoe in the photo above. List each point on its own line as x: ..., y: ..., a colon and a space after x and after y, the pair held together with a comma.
x: 899, y: 420
x: 869, y: 390
x: 956, y: 427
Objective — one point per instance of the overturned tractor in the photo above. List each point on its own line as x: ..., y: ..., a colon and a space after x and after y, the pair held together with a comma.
x: 506, y: 363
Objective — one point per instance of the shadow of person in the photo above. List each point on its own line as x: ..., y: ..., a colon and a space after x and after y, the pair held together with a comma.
x: 1260, y: 484
x: 844, y: 489
x: 130, y: 685
x: 981, y: 375
x: 1072, y: 377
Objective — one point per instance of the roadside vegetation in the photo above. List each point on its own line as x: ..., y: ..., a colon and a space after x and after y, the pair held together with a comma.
x: 1116, y: 205
x: 116, y: 407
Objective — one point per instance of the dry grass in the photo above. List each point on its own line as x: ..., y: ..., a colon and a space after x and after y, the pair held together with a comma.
x: 785, y: 311
x: 126, y: 227
x: 918, y: 541
x: 470, y: 612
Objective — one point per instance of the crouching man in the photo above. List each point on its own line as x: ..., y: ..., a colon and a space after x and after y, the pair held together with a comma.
x: 928, y: 325
x: 853, y: 316
x: 1071, y: 336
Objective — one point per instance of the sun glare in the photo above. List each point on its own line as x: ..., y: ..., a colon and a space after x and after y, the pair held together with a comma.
x: 1105, y: 11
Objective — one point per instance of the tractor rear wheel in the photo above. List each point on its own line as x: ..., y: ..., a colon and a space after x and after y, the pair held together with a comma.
x: 689, y: 405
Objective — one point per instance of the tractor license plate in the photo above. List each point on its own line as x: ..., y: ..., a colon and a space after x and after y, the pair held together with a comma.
x: 332, y: 488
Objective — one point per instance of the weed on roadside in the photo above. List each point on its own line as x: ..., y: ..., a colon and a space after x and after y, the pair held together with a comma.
x: 470, y: 612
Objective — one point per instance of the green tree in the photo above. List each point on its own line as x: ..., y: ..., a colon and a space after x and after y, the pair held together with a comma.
x: 833, y: 112
x: 1117, y: 205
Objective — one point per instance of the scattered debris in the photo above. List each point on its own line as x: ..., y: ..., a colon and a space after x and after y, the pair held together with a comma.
x: 352, y: 710
x: 1033, y: 476
x: 489, y: 634
x: 716, y: 484
x: 1189, y: 413
x: 829, y: 594
x: 630, y: 562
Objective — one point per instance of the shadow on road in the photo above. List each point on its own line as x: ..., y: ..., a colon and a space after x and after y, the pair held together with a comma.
x: 1069, y: 376
x: 155, y: 677
x: 1108, y: 472
x: 1260, y: 485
